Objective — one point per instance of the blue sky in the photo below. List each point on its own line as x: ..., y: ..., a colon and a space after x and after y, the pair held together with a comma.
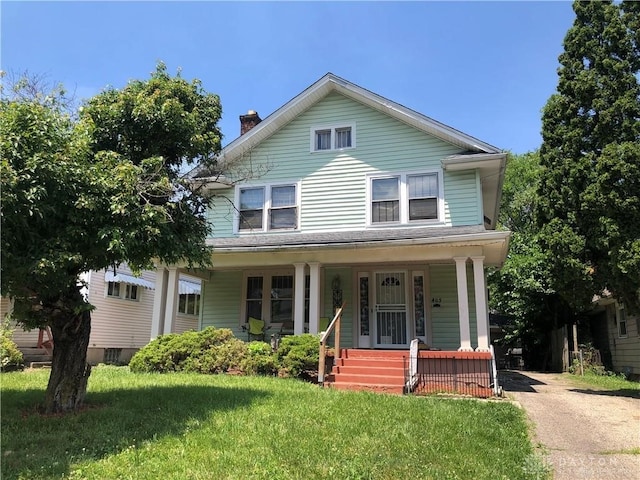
x: 486, y: 68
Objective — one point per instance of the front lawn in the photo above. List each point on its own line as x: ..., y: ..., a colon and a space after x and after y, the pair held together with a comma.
x: 190, y: 426
x: 611, y: 383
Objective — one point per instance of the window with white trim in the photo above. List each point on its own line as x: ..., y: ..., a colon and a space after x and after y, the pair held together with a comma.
x: 189, y: 303
x: 269, y: 207
x: 124, y: 291
x: 621, y: 317
x: 335, y: 137
x: 270, y: 297
x: 131, y: 292
x: 405, y: 198
x: 113, y: 289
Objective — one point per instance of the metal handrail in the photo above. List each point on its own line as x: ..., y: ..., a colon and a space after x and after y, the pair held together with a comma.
x: 334, y: 325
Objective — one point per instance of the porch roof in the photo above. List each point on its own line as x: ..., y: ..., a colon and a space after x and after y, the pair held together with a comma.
x: 363, y: 240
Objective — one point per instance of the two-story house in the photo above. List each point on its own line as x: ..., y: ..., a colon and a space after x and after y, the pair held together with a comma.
x: 343, y: 196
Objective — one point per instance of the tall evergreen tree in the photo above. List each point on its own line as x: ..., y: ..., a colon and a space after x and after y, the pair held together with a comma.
x: 589, y: 192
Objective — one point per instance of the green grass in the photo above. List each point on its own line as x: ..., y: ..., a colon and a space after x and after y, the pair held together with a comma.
x: 611, y: 383
x: 189, y: 426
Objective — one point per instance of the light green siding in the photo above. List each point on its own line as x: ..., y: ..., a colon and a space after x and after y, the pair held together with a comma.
x: 463, y: 203
x: 346, y: 330
x: 221, y: 301
x: 444, y: 319
x: 333, y: 188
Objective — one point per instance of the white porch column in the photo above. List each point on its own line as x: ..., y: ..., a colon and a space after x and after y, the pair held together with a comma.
x: 314, y: 297
x: 481, y: 304
x: 463, y: 304
x: 159, y: 302
x: 172, y: 301
x: 298, y: 295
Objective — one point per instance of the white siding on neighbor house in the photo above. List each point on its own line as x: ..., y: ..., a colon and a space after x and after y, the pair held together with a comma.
x: 625, y: 351
x: 185, y: 323
x: 333, y: 190
x: 21, y: 337
x: 116, y: 322
x: 221, y: 300
x: 445, y: 319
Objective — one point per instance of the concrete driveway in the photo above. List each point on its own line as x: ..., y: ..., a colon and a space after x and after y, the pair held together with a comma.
x: 584, y: 432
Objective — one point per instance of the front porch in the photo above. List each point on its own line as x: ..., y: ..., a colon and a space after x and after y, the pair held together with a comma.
x: 415, y: 371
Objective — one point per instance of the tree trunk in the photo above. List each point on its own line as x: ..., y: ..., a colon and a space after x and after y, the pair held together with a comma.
x: 69, y: 368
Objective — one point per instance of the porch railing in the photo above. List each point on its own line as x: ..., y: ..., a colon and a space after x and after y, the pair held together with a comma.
x: 333, y: 326
x: 462, y: 373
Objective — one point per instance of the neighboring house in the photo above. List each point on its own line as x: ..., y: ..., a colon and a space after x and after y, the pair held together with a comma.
x: 616, y: 335
x: 121, y: 321
x: 342, y: 195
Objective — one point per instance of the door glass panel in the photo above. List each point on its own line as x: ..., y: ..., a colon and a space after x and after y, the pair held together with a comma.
x: 418, y: 305
x: 364, y: 305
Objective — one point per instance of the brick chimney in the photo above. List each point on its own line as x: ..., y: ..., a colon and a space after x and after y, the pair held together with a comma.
x: 248, y: 121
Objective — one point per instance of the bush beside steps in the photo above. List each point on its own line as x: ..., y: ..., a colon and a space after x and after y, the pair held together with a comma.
x: 217, y: 350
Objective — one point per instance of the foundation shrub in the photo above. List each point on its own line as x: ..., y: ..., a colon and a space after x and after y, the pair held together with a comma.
x: 260, y: 360
x: 208, y: 351
x: 10, y: 356
x: 297, y: 356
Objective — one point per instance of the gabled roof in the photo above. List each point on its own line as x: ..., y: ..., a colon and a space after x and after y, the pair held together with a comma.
x: 332, y: 83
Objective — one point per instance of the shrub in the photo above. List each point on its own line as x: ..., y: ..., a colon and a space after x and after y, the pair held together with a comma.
x: 210, y: 350
x: 298, y: 355
x: 260, y: 360
x: 10, y: 356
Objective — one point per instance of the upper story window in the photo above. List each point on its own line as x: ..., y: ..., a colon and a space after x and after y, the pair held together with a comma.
x: 405, y: 198
x: 335, y: 137
x: 269, y: 207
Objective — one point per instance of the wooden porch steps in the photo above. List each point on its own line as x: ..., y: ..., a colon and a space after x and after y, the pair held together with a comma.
x: 379, y: 371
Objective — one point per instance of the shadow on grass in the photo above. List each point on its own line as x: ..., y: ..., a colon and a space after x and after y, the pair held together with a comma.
x: 514, y: 381
x: 623, y: 392
x: 36, y: 446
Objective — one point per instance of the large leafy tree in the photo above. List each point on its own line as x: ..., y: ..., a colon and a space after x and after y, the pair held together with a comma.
x: 522, y: 289
x: 588, y: 209
x: 93, y: 190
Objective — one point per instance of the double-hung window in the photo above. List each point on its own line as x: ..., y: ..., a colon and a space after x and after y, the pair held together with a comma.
x: 270, y: 207
x: 335, y: 137
x: 269, y: 297
x: 622, y: 321
x: 385, y: 200
x: 251, y: 208
x: 405, y: 198
x: 189, y: 303
x: 113, y: 289
x: 423, y: 196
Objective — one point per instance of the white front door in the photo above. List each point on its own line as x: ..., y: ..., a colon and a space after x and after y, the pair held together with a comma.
x: 390, y: 310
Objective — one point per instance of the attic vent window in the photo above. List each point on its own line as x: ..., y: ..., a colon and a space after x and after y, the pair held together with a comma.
x: 334, y: 137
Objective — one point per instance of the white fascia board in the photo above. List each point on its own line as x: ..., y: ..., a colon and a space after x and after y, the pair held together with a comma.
x: 484, y: 238
x: 466, y: 162
x: 218, y: 182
